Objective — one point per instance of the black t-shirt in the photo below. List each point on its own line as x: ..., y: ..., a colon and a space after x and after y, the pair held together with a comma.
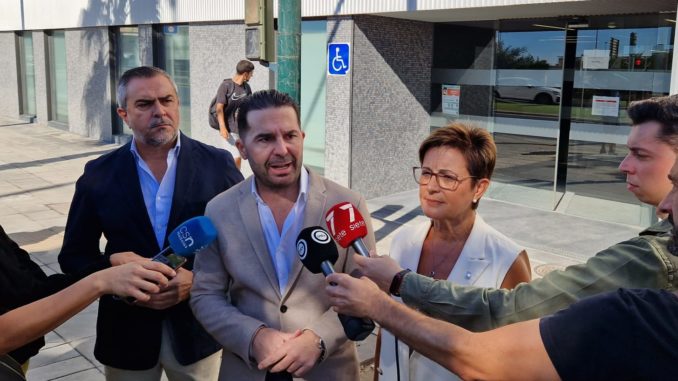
x: 621, y: 335
x: 230, y: 94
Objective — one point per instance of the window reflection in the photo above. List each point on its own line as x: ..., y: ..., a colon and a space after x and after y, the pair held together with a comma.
x: 58, y: 77
x: 27, y: 71
x: 174, y: 57
x: 127, y: 57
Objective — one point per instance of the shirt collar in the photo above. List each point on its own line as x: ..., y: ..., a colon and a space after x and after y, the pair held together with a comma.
x: 303, y: 187
x: 175, y: 150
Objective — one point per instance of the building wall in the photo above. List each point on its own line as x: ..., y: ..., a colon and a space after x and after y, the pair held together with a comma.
x: 338, y: 160
x: 215, y: 51
x: 89, y: 85
x: 9, y: 81
x: 391, y: 100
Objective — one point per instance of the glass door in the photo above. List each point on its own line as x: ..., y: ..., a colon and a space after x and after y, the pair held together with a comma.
x: 618, y: 60
x: 528, y: 63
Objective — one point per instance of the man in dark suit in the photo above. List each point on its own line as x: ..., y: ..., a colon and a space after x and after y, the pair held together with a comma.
x: 134, y: 196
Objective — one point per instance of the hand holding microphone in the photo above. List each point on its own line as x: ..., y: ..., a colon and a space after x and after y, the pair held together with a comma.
x: 185, y: 240
x: 318, y: 254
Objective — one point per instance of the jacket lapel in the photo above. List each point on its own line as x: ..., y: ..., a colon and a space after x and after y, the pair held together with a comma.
x: 472, y: 260
x: 130, y: 189
x: 314, y: 215
x: 249, y: 214
x: 183, y: 184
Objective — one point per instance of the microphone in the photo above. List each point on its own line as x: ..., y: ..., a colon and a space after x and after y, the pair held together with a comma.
x: 318, y: 254
x: 348, y: 227
x: 185, y: 240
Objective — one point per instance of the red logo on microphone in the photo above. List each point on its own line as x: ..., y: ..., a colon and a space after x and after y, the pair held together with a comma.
x: 345, y: 223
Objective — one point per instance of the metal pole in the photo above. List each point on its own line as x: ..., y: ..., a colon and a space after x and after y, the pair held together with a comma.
x: 289, y: 48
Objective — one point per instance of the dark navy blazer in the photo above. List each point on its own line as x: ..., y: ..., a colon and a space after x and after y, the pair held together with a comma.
x: 108, y: 200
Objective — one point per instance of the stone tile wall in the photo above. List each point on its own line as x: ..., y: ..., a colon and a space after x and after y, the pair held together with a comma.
x: 9, y: 82
x: 390, y: 102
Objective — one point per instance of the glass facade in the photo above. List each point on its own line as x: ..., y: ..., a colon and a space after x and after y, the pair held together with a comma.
x: 554, y: 95
x: 58, y: 79
x: 313, y: 85
x: 173, y: 55
x: 126, y: 57
x: 26, y: 73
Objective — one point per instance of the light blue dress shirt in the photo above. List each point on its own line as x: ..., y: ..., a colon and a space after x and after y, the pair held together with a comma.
x: 158, y: 196
x: 282, y: 246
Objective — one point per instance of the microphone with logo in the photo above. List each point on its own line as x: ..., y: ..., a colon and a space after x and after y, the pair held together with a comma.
x: 185, y: 240
x: 318, y: 253
x: 348, y: 227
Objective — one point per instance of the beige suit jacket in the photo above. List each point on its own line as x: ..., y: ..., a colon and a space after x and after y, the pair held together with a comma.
x: 235, y: 288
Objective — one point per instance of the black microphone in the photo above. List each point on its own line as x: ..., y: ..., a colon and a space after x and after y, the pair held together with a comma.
x: 318, y: 254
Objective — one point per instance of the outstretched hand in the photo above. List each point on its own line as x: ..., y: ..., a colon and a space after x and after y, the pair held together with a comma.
x: 354, y: 297
x: 379, y: 268
x: 134, y: 279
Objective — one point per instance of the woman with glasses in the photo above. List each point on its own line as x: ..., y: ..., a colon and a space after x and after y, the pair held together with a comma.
x: 455, y: 244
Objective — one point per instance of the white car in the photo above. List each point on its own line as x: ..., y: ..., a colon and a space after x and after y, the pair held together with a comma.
x: 524, y: 89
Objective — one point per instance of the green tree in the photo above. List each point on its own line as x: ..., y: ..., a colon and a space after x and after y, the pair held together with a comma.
x: 509, y: 57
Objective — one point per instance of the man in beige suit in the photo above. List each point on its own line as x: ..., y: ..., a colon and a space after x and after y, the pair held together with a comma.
x: 250, y: 291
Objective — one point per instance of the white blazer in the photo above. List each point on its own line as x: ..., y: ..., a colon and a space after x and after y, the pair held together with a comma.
x: 484, y: 261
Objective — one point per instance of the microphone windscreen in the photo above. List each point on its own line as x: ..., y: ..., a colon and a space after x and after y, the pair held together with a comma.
x: 192, y: 236
x: 314, y: 246
x: 346, y: 224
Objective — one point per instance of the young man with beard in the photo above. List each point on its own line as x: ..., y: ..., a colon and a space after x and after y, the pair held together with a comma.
x: 251, y: 292
x: 641, y: 262
x: 135, y: 196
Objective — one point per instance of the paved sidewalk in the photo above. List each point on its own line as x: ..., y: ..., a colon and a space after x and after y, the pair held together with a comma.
x: 38, y: 170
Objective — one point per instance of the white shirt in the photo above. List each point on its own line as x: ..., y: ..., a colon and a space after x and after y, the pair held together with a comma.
x: 282, y: 246
x: 158, y: 196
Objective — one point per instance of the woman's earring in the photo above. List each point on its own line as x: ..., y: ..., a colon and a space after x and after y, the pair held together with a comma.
x: 475, y: 201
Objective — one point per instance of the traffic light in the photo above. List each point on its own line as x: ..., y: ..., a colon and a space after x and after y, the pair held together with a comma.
x: 638, y: 63
x: 259, y: 33
x: 633, y: 39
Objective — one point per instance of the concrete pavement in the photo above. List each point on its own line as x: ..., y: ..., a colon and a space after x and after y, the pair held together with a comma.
x: 38, y: 170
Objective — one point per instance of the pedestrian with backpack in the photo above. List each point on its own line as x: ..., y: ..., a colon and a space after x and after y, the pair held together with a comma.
x: 223, y: 107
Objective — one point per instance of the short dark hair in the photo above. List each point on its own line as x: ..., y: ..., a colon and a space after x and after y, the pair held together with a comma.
x: 262, y: 100
x: 663, y: 110
x: 475, y: 144
x: 244, y: 66
x: 138, y: 72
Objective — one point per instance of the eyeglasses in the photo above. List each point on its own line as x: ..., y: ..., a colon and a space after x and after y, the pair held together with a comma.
x: 446, y: 180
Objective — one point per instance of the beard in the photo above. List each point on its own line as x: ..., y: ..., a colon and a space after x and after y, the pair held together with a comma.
x: 155, y: 139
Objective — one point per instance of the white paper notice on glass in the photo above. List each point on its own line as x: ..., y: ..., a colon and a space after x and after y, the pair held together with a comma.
x: 596, y: 59
x: 451, y: 96
x: 605, y: 106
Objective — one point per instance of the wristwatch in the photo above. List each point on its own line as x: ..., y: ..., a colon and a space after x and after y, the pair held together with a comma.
x: 323, y: 350
x: 397, y: 282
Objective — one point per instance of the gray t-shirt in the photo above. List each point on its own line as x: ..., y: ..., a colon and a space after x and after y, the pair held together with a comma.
x: 230, y: 94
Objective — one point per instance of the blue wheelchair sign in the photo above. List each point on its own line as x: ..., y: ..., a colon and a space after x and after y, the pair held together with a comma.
x: 338, y: 58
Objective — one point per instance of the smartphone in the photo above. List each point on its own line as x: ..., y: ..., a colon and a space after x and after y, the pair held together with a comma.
x: 172, y: 260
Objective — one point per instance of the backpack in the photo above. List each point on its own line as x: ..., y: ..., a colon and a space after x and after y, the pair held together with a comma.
x: 212, y: 119
x: 230, y: 107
